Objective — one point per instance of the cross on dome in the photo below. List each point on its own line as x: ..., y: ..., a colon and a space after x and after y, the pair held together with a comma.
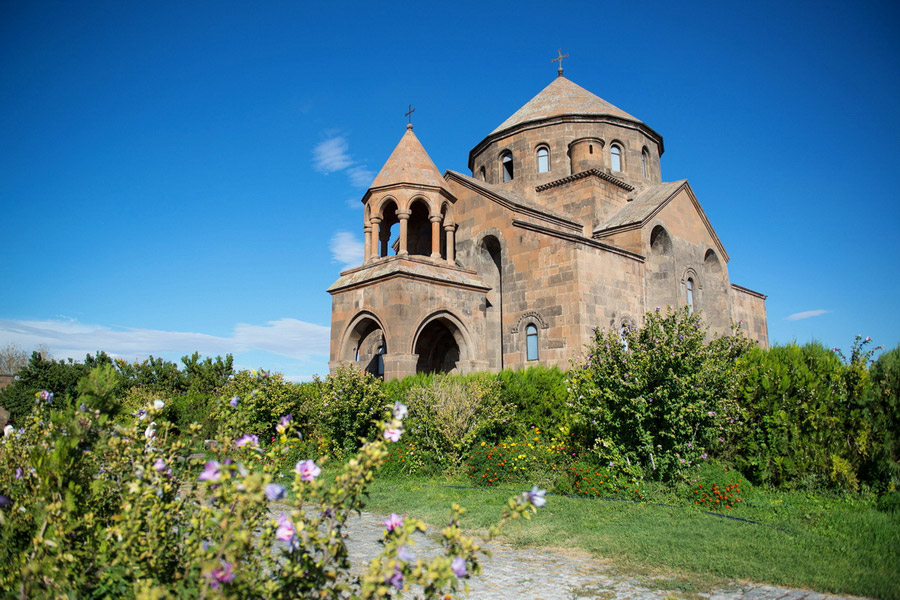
x: 559, y: 59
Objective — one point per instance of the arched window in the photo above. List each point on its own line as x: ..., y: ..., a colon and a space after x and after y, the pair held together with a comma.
x: 689, y: 286
x: 645, y: 163
x: 531, y: 341
x: 506, y: 166
x: 543, y: 159
x: 615, y: 157
x: 379, y: 368
x: 482, y: 173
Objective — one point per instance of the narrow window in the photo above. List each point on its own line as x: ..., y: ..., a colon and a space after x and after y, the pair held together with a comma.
x: 590, y: 148
x: 531, y: 342
x: 690, y: 294
x: 543, y: 156
x: 615, y: 157
x: 506, y: 163
x: 482, y: 173
x: 645, y: 172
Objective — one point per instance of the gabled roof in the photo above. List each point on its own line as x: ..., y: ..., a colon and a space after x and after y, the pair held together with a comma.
x: 562, y: 97
x: 409, y: 163
x: 647, y: 204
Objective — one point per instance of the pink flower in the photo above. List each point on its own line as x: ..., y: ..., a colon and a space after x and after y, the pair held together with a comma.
x: 393, y: 522
x: 247, y: 438
x: 393, y: 434
x: 212, y: 471
x: 308, y: 470
x: 220, y: 576
x: 458, y: 566
x: 285, y: 530
x: 159, y: 465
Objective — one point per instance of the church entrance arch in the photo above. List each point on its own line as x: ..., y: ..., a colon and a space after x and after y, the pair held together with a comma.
x: 440, y: 345
x: 365, y: 344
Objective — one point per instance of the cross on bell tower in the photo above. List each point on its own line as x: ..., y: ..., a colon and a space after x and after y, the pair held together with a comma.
x: 559, y: 59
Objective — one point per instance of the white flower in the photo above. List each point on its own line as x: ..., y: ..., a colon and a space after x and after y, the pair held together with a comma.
x: 150, y: 431
x: 158, y: 404
x: 8, y: 430
x: 400, y: 411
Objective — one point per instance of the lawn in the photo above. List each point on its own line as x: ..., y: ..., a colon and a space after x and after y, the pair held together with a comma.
x: 792, y: 539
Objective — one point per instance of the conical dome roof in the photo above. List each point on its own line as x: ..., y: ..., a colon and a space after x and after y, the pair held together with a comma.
x: 409, y: 163
x: 562, y: 97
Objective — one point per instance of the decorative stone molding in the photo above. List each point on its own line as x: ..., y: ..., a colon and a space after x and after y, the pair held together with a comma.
x: 530, y: 316
x: 589, y: 173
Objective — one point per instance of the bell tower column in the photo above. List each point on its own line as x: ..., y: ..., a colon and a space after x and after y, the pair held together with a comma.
x: 374, y: 236
x: 403, y: 215
x: 436, y: 235
x: 450, y: 230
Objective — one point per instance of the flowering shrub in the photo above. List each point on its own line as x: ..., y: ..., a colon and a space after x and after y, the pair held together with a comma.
x: 90, y: 509
x: 656, y: 399
x: 407, y: 458
x: 344, y: 408
x: 595, y: 481
x: 523, y: 458
x: 716, y: 487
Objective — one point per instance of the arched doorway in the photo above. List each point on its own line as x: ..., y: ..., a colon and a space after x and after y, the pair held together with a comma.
x: 366, y: 345
x: 438, y: 347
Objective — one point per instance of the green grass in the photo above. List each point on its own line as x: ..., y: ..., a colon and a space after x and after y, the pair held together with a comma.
x: 834, y: 545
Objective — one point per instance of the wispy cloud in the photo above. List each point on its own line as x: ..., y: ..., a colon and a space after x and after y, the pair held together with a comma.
x: 346, y: 249
x: 69, y: 338
x: 333, y: 155
x: 807, y: 314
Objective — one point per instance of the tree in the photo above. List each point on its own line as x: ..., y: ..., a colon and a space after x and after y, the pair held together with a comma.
x: 12, y: 358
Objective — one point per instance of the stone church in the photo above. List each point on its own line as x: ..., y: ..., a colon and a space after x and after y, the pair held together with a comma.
x: 563, y: 226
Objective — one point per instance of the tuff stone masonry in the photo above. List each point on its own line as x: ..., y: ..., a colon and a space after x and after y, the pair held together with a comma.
x: 565, y: 225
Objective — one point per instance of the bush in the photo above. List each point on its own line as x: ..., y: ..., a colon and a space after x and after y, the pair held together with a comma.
x: 92, y: 510
x: 586, y: 478
x: 883, y: 469
x: 449, y: 415
x: 344, y: 409
x: 718, y: 487
x: 533, y: 457
x: 806, y: 417
x: 537, y: 397
x: 656, y: 399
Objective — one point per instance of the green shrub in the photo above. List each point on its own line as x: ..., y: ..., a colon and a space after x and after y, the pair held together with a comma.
x: 537, y: 397
x: 715, y: 486
x: 407, y: 458
x: 449, y: 415
x: 656, y: 399
x: 586, y: 478
x: 883, y: 468
x: 343, y: 410
x: 889, y: 502
x: 807, y: 418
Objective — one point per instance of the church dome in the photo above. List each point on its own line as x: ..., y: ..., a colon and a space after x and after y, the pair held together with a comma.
x: 562, y: 98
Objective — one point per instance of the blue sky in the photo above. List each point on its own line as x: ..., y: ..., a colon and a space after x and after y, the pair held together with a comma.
x: 180, y: 176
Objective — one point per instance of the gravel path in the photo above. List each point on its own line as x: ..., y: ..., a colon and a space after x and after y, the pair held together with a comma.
x: 531, y: 574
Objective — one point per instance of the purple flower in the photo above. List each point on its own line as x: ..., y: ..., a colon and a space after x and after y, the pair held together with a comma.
x: 690, y: 444
x: 274, y: 491
x: 458, y: 566
x: 141, y: 414
x: 247, y: 438
x: 704, y: 455
x: 219, y: 576
x: 308, y: 470
x: 159, y: 465
x: 400, y: 411
x: 536, y: 497
x: 711, y: 413
x: 211, y: 472
x: 4, y: 501
x: 396, y: 579
x: 234, y: 401
x: 393, y: 521
x: 284, y: 423
x: 393, y: 434
x: 18, y: 472
x: 45, y: 396
x: 82, y: 407
x: 285, y: 530
x: 405, y: 555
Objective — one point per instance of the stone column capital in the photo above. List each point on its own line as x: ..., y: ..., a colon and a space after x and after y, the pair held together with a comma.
x: 403, y: 214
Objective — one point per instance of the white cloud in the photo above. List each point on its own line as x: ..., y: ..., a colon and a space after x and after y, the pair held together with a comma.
x: 360, y: 176
x: 71, y: 339
x: 346, y: 249
x: 333, y: 155
x: 806, y: 314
